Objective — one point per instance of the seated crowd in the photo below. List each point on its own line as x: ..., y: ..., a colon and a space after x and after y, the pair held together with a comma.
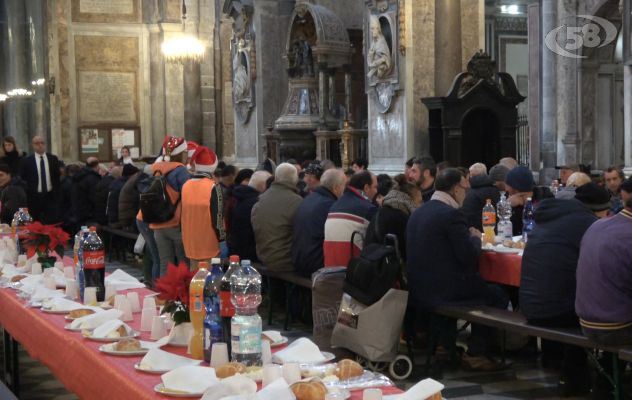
x: 576, y: 270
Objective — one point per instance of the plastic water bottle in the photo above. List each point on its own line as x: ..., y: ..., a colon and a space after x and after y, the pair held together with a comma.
x: 81, y: 278
x: 213, y: 332
x: 227, y: 310
x: 527, y: 219
x: 505, y: 227
x: 76, y: 245
x: 245, y: 328
x: 489, y: 223
x: 20, y: 219
x: 93, y: 256
x: 555, y: 186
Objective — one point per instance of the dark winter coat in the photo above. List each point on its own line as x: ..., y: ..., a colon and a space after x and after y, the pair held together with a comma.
x: 549, y: 264
x: 241, y: 237
x: 482, y: 188
x: 442, y: 264
x: 128, y: 203
x: 13, y: 159
x: 84, y: 198
x: 112, y: 209
x: 12, y: 197
x: 102, y: 191
x: 309, y: 231
x: 69, y: 220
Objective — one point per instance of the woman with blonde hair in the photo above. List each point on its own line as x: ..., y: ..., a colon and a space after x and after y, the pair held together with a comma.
x: 574, y: 181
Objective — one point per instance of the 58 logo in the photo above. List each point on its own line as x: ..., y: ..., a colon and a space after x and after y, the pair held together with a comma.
x: 577, y: 37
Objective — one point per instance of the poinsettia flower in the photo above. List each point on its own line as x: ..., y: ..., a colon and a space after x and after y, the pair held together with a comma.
x: 174, y: 286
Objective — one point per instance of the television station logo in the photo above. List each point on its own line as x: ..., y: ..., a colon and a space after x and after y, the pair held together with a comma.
x: 587, y: 35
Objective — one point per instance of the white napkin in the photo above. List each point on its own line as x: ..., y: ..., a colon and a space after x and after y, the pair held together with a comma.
x: 108, y: 329
x: 160, y: 360
x: 33, y: 280
x: 237, y: 385
x: 421, y: 390
x: 275, y: 336
x: 121, y: 280
x: 41, y: 293
x: 154, y: 345
x: 94, y: 320
x: 60, y: 279
x: 9, y: 271
x: 62, y: 304
x: 277, y: 390
x: 192, y: 379
x: 302, y: 350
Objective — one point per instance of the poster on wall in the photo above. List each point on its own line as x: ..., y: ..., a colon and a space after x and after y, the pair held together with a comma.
x: 120, y: 138
x: 89, y: 140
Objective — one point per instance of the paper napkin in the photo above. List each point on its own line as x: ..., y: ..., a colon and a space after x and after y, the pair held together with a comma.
x: 301, y: 350
x: 277, y: 390
x: 121, y: 280
x: 154, y: 345
x: 275, y: 336
x: 108, y: 329
x: 41, y: 293
x: 192, y: 379
x: 160, y: 360
x: 62, y: 304
x: 94, y: 320
x: 420, y: 391
x: 237, y: 385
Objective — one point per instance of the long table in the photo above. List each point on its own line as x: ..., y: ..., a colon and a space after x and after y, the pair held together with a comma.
x: 504, y: 268
x: 77, y: 362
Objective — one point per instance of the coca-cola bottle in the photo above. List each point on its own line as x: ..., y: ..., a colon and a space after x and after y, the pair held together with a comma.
x: 94, y: 263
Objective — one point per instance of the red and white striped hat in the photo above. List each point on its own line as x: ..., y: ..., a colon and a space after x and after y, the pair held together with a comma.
x: 173, y: 146
x: 204, y: 160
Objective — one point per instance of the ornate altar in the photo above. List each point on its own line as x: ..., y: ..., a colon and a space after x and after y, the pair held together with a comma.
x: 476, y: 121
x: 316, y: 45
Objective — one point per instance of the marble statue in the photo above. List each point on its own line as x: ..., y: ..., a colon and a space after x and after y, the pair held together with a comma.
x: 302, y: 64
x: 241, y: 80
x: 379, y: 59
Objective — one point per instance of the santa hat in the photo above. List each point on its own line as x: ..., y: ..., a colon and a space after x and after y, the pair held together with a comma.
x: 204, y: 159
x: 191, y: 147
x: 173, y: 146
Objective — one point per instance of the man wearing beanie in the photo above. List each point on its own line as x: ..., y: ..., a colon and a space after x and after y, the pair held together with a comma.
x: 549, y: 264
x: 519, y: 185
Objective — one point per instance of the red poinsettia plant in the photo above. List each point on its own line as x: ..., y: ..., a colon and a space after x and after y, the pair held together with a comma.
x: 174, y: 289
x: 43, y: 239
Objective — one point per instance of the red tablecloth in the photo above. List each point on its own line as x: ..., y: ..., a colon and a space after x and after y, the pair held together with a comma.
x: 77, y: 362
x: 501, y: 268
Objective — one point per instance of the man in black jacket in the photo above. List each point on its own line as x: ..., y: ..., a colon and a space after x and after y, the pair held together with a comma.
x: 40, y: 171
x: 482, y: 187
x: 309, y: 222
x: 84, y: 192
x: 549, y: 264
x: 12, y: 194
x: 102, y: 194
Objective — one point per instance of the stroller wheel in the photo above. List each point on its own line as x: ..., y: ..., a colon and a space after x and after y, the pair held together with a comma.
x: 401, y: 367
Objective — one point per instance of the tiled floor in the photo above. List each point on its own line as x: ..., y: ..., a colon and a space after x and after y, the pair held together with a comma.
x: 524, y: 380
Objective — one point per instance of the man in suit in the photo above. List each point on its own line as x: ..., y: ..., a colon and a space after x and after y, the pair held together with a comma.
x: 41, y: 173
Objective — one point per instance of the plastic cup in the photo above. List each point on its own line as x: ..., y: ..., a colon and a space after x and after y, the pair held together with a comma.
x: 149, y: 302
x: 266, y: 352
x: 126, y: 307
x: 146, y: 318
x: 118, y: 301
x: 372, y: 394
x: 59, y: 265
x: 49, y: 283
x: 36, y: 268
x: 110, y: 291
x: 48, y: 272
x: 271, y: 373
x: 21, y: 260
x: 158, y: 330
x: 219, y: 355
x: 134, y: 301
x: 72, y: 289
x: 291, y: 372
x: 69, y: 272
x: 90, y: 296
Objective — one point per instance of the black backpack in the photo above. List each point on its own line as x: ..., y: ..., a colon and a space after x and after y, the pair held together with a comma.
x: 155, y: 203
x: 377, y: 269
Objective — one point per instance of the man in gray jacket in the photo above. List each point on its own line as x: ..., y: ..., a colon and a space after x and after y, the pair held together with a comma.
x: 273, y: 219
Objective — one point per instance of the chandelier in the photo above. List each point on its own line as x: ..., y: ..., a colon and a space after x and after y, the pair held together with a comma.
x: 183, y: 48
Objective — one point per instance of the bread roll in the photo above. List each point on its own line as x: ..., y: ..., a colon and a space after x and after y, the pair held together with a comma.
x: 348, y: 369
x: 314, y: 390
x: 436, y: 396
x: 127, y: 345
x: 18, y: 278
x: 80, y: 313
x: 122, y: 331
x: 230, y: 369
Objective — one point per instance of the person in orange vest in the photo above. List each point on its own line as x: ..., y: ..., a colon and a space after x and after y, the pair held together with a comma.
x: 202, y: 210
x: 172, y: 165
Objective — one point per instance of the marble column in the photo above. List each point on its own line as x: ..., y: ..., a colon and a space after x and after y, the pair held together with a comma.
x: 567, y: 93
x: 332, y: 91
x: 16, y: 71
x: 627, y: 118
x: 448, y: 61
x: 35, y: 17
x: 548, y: 138
x: 348, y: 116
x: 323, y: 94
x: 535, y: 62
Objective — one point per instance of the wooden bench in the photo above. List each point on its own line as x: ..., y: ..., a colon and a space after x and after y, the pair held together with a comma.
x: 510, y: 321
x: 292, y: 280
x: 114, y: 232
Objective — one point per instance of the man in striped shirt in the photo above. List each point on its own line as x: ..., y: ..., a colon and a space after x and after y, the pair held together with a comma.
x: 351, y: 213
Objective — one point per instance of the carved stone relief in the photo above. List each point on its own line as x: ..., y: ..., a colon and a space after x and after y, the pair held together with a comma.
x: 381, y: 50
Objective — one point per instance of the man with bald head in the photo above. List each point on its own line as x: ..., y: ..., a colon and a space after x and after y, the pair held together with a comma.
x: 40, y: 170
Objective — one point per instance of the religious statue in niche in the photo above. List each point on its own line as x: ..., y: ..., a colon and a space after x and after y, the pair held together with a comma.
x: 242, y: 82
x: 379, y: 59
x: 301, y: 59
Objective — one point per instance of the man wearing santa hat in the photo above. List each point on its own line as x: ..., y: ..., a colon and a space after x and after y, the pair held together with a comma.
x: 172, y: 165
x: 202, y: 210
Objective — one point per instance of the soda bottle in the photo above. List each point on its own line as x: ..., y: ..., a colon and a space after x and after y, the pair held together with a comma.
x: 505, y: 227
x: 227, y: 310
x: 20, y: 219
x: 77, y: 244
x: 489, y: 223
x: 212, y: 320
x: 245, y: 327
x: 93, y: 255
x: 527, y: 219
x: 79, y: 270
x: 196, y: 310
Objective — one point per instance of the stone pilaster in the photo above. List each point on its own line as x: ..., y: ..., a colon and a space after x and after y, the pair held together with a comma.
x: 548, y: 139
x: 627, y: 118
x: 448, y: 59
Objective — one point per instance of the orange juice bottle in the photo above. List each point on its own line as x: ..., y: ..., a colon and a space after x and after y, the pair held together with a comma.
x: 489, y: 223
x: 197, y: 311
